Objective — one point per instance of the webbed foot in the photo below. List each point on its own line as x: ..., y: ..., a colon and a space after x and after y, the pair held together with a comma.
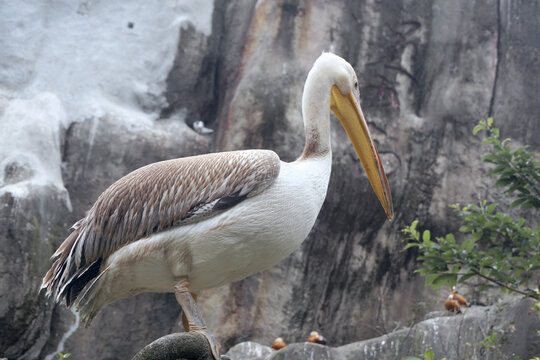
x: 214, y: 346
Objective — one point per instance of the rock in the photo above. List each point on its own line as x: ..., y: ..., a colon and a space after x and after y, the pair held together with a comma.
x: 29, y: 229
x: 450, y: 336
x: 427, y: 74
x: 113, y: 148
x: 435, y: 314
x: 459, y: 336
x: 305, y: 351
x: 250, y: 351
x: 100, y: 150
x: 178, y: 346
x: 428, y: 71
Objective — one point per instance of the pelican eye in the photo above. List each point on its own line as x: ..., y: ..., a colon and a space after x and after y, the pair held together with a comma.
x: 356, y: 84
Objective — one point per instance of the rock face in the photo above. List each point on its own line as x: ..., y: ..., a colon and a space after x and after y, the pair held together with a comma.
x: 92, y: 90
x: 454, y: 337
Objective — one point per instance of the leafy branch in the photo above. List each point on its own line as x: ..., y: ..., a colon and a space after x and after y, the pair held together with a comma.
x: 496, y: 246
x: 517, y: 170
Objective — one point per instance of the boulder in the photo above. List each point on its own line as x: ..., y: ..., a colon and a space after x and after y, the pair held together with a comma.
x: 459, y: 336
x: 178, y: 346
x: 250, y: 350
x: 455, y: 336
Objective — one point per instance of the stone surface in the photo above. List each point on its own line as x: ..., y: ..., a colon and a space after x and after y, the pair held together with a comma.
x: 178, y: 346
x: 29, y: 229
x: 250, y: 351
x: 450, y: 336
x: 306, y: 351
x: 112, y: 148
x: 428, y: 71
x: 459, y: 336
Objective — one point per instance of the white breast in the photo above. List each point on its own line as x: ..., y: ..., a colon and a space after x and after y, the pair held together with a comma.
x: 263, y: 230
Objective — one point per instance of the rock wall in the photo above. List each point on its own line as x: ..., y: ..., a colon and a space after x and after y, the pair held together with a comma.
x: 92, y: 90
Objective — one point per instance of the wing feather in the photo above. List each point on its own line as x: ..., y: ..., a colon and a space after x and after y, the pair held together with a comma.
x: 155, y: 198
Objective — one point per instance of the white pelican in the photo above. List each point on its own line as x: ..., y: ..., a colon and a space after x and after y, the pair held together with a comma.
x: 194, y: 223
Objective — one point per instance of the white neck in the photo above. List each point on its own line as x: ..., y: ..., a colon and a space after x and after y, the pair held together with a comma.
x: 316, y: 111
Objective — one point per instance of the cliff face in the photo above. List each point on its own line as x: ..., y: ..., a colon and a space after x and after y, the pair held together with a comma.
x: 91, y: 91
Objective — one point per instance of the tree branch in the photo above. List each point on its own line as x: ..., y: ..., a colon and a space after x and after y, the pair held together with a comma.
x: 499, y: 283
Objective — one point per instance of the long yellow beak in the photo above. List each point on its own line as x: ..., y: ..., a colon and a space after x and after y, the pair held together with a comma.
x: 347, y: 109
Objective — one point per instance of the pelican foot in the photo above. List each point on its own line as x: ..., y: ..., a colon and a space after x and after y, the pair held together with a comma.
x: 214, y: 346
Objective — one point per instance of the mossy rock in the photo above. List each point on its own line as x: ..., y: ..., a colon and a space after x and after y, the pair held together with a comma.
x: 177, y: 346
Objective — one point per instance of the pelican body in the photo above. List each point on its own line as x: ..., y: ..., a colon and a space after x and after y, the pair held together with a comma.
x: 189, y: 224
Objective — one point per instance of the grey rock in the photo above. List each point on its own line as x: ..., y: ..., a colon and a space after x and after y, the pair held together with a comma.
x: 428, y: 71
x: 434, y: 314
x: 306, y: 351
x: 250, y: 351
x: 111, y: 149
x: 29, y: 229
x: 427, y: 75
x: 458, y: 336
x: 101, y: 150
x: 178, y: 346
x: 451, y: 336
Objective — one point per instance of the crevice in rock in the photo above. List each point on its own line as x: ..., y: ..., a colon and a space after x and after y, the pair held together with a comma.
x: 65, y: 144
x: 192, y: 82
x: 284, y: 39
x: 498, y: 61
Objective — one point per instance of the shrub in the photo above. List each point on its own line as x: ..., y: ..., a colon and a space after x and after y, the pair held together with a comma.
x: 496, y: 246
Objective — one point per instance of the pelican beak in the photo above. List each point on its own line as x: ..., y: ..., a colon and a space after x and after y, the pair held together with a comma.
x: 347, y: 109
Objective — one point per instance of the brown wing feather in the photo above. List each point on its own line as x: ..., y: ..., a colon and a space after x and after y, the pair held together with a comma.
x: 152, y: 199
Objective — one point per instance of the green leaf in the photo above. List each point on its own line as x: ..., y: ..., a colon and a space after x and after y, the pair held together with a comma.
x: 426, y: 235
x: 489, y: 121
x: 410, y: 245
x: 430, y: 278
x: 491, y: 141
x: 413, y: 225
x: 529, y: 204
x: 491, y: 207
x: 490, y: 158
x: 517, y: 202
x: 485, y: 287
x: 429, y: 355
x: 505, y: 141
x: 442, y: 279
x: 491, y: 224
x: 422, y: 272
x: 468, y: 245
x: 477, y: 235
x: 466, y: 277
x: 503, y: 182
x: 411, y: 358
x: 478, y: 128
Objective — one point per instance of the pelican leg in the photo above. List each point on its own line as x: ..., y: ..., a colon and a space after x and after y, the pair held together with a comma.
x: 195, y: 322
x: 185, y: 322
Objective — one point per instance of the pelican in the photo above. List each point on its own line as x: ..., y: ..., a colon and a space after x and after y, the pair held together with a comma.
x: 194, y: 223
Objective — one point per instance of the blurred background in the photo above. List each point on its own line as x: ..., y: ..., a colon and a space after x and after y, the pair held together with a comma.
x: 91, y: 90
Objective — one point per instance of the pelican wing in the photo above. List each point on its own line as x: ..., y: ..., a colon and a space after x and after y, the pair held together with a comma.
x: 155, y: 198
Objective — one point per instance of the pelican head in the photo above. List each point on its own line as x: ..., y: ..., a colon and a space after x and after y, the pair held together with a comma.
x: 331, y: 71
